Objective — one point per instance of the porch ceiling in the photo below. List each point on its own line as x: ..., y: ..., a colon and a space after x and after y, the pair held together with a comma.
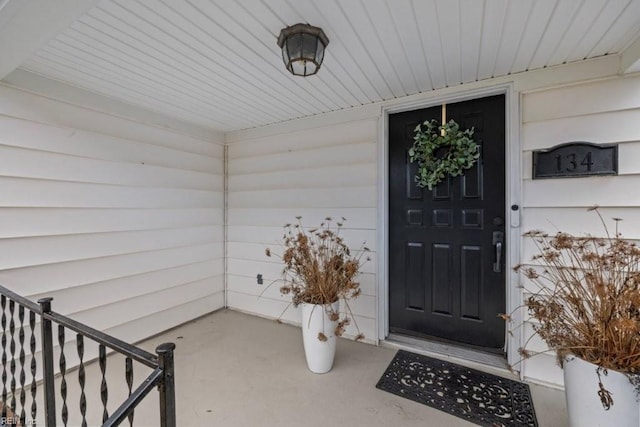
x: 215, y: 63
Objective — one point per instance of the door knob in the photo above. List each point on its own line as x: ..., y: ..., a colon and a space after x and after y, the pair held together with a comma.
x: 498, y: 240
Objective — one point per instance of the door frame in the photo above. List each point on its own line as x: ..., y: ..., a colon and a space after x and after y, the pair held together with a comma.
x: 513, y: 196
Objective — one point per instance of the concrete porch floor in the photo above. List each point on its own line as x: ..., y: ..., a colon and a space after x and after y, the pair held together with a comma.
x: 233, y: 369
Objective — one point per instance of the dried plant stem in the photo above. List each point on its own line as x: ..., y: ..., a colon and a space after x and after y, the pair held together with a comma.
x: 587, y: 300
x: 320, y: 268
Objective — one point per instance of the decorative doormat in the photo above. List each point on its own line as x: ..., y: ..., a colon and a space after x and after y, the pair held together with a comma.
x: 475, y: 396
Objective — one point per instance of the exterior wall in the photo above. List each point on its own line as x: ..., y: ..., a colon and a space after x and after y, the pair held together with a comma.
x: 600, y: 112
x: 324, y: 171
x: 120, y: 222
x: 307, y: 167
x: 123, y: 222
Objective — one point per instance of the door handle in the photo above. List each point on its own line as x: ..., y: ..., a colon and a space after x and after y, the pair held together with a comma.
x: 498, y: 239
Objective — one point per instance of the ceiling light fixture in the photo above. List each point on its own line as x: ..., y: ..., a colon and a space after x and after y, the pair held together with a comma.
x: 303, y: 48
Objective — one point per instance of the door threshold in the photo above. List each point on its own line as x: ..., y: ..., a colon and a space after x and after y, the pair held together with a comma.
x: 470, y: 358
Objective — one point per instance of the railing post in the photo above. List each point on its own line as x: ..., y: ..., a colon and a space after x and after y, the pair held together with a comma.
x: 47, y: 364
x: 166, y: 386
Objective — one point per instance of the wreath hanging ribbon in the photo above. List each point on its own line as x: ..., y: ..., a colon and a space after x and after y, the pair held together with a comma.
x: 461, y: 155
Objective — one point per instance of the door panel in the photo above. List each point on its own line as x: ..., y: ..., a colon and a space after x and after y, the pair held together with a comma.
x: 441, y: 268
x: 415, y: 272
x: 441, y: 278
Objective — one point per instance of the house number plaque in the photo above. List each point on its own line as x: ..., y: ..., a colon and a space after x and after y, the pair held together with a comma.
x: 575, y: 159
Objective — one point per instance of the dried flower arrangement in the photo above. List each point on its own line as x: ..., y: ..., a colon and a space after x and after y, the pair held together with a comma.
x: 319, y: 268
x: 587, y: 299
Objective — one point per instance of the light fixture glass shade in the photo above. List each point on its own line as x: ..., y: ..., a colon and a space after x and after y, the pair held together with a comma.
x: 303, y: 48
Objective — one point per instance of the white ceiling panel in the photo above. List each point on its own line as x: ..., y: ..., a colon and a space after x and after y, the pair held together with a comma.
x: 513, y: 30
x: 216, y: 64
x: 470, y: 28
x: 493, y: 22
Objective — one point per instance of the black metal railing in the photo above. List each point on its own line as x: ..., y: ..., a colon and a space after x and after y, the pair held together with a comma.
x: 19, y: 318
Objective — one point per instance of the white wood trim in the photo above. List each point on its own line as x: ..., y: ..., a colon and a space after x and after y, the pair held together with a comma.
x: 514, y: 336
x: 382, y: 312
x: 512, y: 196
x: 225, y: 221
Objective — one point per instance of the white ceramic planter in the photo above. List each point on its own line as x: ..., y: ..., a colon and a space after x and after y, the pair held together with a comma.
x: 319, y: 354
x: 583, y: 403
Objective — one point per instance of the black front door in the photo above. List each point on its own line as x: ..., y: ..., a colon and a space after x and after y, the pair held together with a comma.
x: 447, y: 246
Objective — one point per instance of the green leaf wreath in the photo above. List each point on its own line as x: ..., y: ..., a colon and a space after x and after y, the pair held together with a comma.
x: 433, y: 166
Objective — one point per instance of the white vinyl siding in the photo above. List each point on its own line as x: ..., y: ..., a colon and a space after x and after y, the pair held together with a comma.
x: 123, y: 222
x: 599, y: 112
x: 311, y: 169
x: 120, y: 222
x: 329, y: 171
